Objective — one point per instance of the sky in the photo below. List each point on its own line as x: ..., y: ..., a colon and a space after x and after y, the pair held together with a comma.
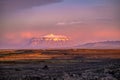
x: 81, y: 20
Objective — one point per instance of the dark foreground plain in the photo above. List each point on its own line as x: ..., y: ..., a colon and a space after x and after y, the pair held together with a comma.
x: 72, y: 64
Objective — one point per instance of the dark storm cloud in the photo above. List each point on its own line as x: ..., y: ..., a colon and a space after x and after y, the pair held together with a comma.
x: 7, y: 6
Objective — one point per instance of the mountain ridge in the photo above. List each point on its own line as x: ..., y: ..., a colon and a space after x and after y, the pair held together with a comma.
x: 101, y: 45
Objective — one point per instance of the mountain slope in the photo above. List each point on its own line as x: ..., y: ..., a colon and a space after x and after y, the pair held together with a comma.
x: 101, y: 45
x: 49, y: 41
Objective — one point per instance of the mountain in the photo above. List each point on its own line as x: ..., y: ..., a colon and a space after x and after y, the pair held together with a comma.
x: 101, y: 45
x: 48, y: 41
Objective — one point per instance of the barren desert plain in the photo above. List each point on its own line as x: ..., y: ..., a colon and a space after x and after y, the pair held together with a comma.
x: 60, y: 64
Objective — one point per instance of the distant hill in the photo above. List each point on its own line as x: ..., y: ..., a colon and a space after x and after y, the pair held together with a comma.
x: 101, y: 45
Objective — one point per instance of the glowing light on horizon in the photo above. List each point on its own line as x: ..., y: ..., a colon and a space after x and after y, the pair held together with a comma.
x: 52, y: 37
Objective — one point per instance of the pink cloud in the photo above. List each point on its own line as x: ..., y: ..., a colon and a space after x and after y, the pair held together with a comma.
x: 26, y: 34
x: 108, y: 34
x: 19, y: 37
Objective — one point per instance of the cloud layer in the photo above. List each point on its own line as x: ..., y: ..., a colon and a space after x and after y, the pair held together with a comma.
x: 82, y: 20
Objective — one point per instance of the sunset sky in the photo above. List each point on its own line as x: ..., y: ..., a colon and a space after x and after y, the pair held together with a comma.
x: 80, y: 20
